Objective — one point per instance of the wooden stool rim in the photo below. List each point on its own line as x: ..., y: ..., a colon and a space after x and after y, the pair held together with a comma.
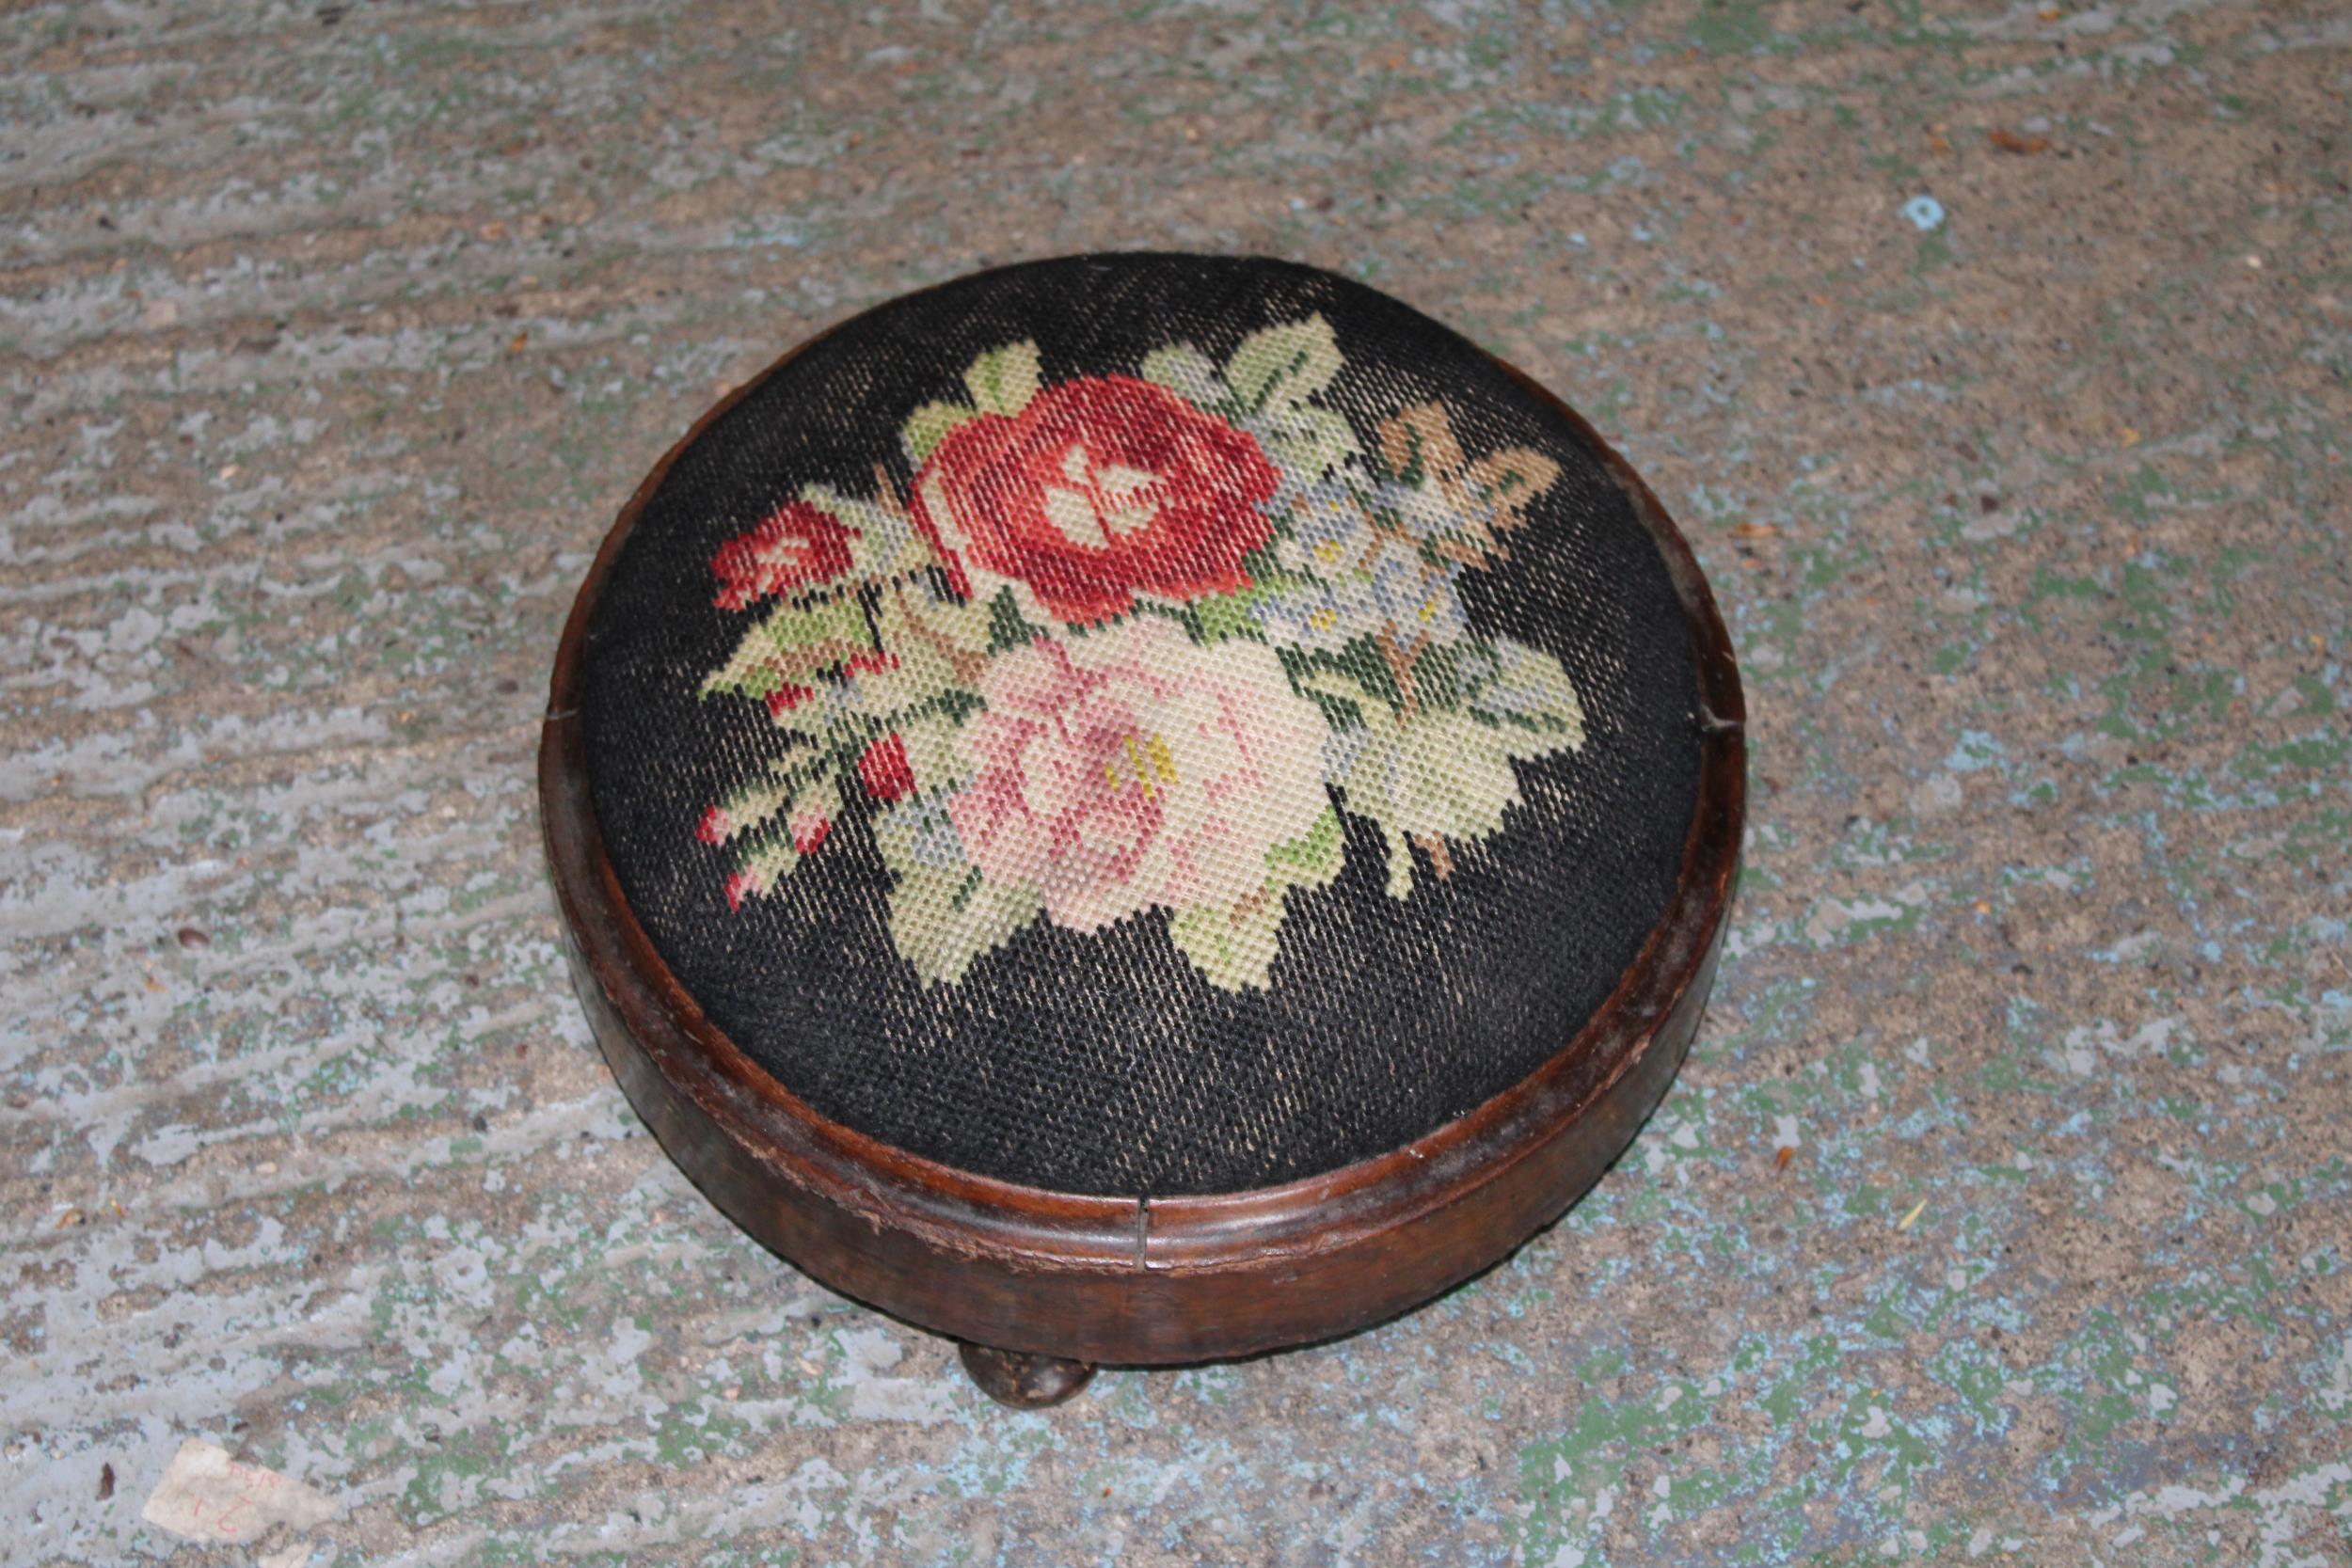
x: 1141, y: 1280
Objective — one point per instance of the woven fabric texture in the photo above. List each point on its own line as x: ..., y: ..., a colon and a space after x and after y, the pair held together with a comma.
x: 1142, y: 724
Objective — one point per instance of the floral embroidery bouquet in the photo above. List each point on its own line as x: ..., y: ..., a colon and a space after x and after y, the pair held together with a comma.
x: 1132, y: 643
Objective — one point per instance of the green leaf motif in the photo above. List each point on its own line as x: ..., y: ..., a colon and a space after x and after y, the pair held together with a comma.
x: 791, y: 645
x: 1232, y: 947
x: 936, y: 643
x: 1218, y: 616
x: 1530, y: 701
x: 1357, y: 676
x: 1283, y: 367
x: 1007, y: 627
x: 1440, y: 771
x: 817, y: 627
x: 1309, y: 441
x: 747, y: 808
x: 1345, y: 703
x: 944, y: 918
x: 929, y: 425
x: 1314, y: 859
x: 1400, y: 848
x: 1189, y: 373
x: 1003, y: 380
x: 940, y: 767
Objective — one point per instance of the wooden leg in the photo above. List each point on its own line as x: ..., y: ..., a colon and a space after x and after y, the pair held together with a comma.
x: 1023, y: 1381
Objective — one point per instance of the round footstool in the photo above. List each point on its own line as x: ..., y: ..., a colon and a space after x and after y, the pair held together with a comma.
x: 1142, y: 808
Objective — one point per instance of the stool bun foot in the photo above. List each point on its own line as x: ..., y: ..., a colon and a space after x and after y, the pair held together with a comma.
x: 1023, y: 1381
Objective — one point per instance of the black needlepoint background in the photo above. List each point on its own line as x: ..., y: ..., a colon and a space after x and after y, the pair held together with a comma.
x: 1105, y: 1064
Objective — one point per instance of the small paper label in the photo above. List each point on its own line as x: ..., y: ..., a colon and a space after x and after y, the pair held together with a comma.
x: 206, y: 1495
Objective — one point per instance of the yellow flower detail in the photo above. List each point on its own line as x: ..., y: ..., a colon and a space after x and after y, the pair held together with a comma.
x: 1149, y: 765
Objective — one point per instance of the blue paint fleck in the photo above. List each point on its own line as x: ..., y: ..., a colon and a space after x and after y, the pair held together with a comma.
x: 1925, y: 213
x: 1976, y: 751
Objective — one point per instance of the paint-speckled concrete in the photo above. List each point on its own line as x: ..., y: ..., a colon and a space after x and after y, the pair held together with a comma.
x: 331, y: 336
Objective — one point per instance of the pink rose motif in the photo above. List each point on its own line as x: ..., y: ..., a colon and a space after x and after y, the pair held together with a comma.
x: 1131, y: 769
x: 808, y: 828
x: 1102, y: 488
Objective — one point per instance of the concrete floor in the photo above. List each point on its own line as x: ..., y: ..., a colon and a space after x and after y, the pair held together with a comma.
x: 1998, y: 364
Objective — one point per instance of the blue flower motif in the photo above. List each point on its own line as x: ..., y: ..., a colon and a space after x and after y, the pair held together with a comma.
x: 1329, y: 532
x: 1416, y: 597
x: 1428, y: 512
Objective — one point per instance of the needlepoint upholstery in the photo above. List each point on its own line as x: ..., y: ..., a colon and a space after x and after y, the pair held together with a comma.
x: 1142, y: 724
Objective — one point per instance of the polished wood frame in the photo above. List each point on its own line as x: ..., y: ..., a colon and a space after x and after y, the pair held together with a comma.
x: 1135, y: 1280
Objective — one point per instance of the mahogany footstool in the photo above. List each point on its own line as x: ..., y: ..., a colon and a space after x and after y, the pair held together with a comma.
x: 1140, y: 809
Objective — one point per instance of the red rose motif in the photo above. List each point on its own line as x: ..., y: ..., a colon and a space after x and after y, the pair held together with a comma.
x: 1100, y: 489
x: 798, y: 544
x: 884, y: 769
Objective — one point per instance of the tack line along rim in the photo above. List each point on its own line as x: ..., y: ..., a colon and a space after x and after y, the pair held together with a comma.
x: 1141, y: 1280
